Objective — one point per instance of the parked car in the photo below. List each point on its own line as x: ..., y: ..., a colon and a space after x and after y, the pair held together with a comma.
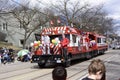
x: 115, y: 46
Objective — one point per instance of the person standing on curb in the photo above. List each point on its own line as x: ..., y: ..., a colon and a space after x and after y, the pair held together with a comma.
x: 59, y: 73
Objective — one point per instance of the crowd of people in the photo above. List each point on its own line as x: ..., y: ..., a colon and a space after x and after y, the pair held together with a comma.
x: 24, y: 58
x: 6, y: 55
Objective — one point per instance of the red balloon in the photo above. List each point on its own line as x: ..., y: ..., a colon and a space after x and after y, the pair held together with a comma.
x: 36, y: 44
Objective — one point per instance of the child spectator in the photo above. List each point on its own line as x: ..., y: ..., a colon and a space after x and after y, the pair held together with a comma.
x: 96, y: 70
x: 59, y: 73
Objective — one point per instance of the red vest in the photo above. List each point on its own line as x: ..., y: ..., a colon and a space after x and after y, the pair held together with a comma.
x: 38, y: 52
x: 65, y: 42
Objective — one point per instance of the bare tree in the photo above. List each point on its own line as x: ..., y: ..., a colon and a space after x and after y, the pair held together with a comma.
x: 30, y: 20
x: 96, y: 20
x: 18, y: 15
x: 70, y: 10
x: 83, y: 16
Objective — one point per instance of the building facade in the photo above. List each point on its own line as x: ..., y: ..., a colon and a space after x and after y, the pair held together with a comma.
x: 15, y: 33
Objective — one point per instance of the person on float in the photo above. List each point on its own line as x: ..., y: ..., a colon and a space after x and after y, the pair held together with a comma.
x: 87, y: 41
x: 46, y: 44
x: 64, y: 44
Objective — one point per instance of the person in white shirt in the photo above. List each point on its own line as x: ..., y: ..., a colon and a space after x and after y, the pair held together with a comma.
x: 46, y: 44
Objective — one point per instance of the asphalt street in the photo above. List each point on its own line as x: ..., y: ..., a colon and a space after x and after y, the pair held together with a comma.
x: 28, y: 71
x: 112, y: 66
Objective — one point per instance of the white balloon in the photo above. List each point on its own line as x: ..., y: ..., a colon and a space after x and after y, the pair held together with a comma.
x: 31, y: 44
x: 35, y: 41
x: 57, y: 39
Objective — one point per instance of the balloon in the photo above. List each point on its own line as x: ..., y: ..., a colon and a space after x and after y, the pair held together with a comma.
x: 36, y: 47
x: 35, y: 41
x: 40, y: 47
x: 31, y: 44
x: 53, y: 41
x: 38, y: 42
x: 57, y: 39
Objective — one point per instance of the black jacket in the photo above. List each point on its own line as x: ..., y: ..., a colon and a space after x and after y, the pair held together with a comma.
x: 86, y: 78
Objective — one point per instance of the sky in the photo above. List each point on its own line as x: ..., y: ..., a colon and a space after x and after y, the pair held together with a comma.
x: 113, y: 9
x: 111, y: 6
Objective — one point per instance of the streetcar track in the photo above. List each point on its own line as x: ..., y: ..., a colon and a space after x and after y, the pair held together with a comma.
x: 41, y: 76
x: 50, y: 74
x: 106, y: 60
x: 16, y: 70
x: 77, y: 73
x: 26, y: 73
x: 12, y: 71
x: 17, y: 75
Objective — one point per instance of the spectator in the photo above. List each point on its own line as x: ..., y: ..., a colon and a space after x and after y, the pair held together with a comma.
x: 59, y: 73
x: 6, y: 57
x: 96, y: 70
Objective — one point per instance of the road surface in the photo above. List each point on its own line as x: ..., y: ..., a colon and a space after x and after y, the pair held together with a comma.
x: 30, y: 71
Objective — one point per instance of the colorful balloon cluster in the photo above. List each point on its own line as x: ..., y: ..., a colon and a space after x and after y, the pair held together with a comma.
x: 55, y: 41
x: 36, y: 44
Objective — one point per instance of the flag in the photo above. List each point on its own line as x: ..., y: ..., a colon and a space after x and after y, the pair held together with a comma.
x: 58, y: 21
x: 71, y: 24
x: 51, y: 22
